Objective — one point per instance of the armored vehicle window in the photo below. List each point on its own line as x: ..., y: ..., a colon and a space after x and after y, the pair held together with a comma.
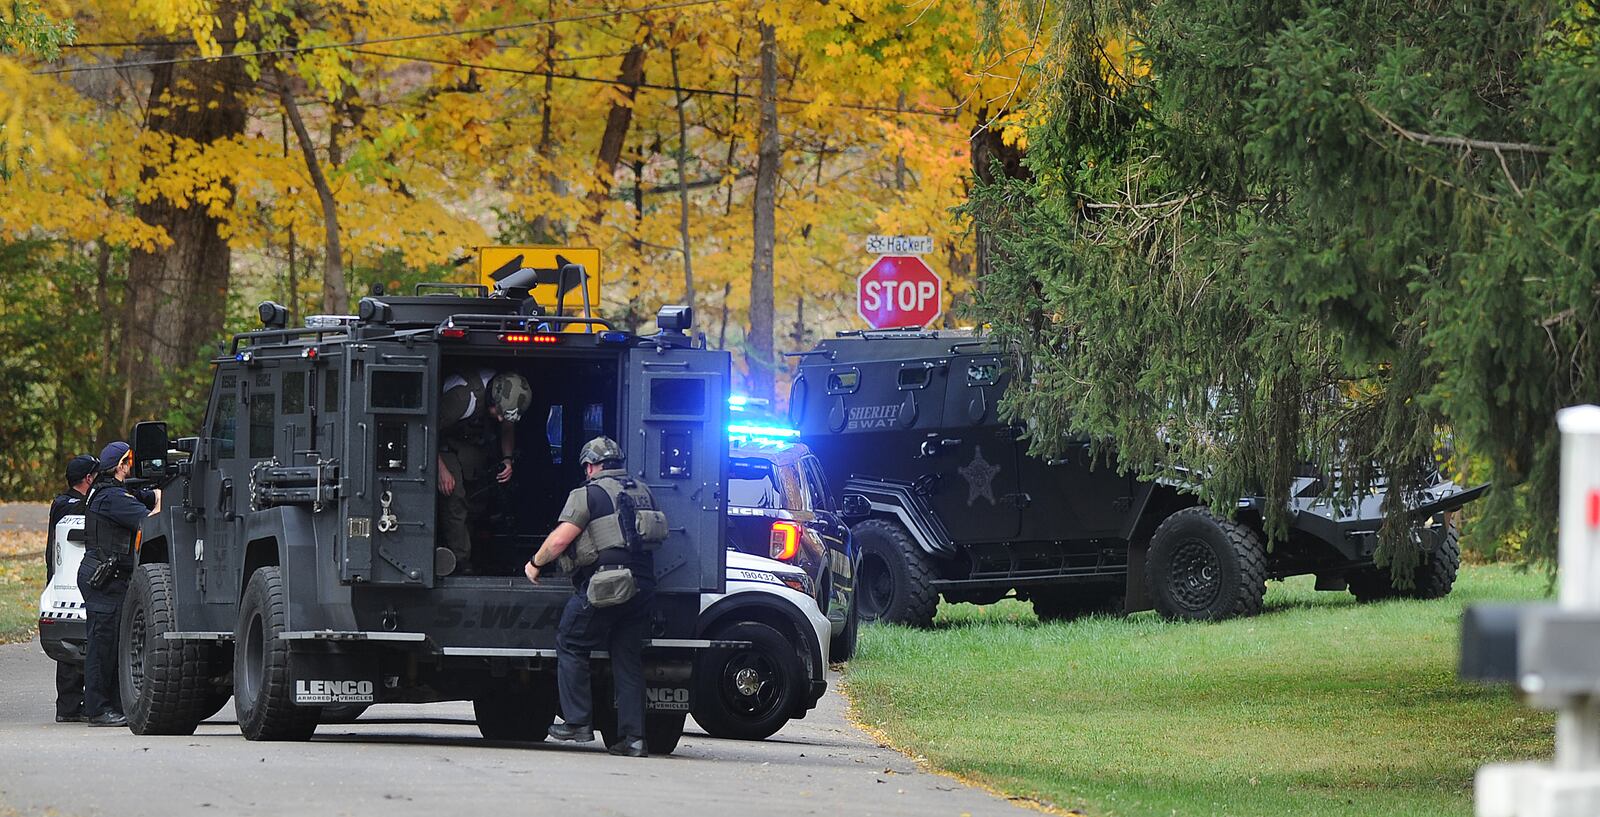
x: 396, y: 389
x: 752, y: 484
x: 983, y: 373
x: 263, y: 417
x: 554, y: 434
x: 330, y: 390
x: 224, y: 426
x: 294, y: 392
x: 844, y: 382
x: 678, y: 396
x: 915, y: 376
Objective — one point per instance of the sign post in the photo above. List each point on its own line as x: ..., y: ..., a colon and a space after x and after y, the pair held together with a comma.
x: 899, y: 291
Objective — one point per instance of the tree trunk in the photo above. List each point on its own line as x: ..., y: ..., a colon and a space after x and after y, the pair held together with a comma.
x: 545, y: 229
x: 618, y: 120
x: 175, y: 295
x: 683, y: 188
x: 758, y: 341
x: 335, y: 295
x: 988, y: 147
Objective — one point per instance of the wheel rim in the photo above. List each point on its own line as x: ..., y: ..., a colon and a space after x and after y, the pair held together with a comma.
x: 877, y: 587
x: 135, y: 649
x: 1196, y: 575
x: 254, y: 659
x: 750, y: 685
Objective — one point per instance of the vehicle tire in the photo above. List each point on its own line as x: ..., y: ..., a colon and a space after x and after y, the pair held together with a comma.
x: 1069, y: 603
x: 747, y: 693
x: 165, y: 684
x: 344, y: 713
x: 895, y: 582
x: 662, y: 731
x: 263, y: 693
x: 1202, y: 567
x: 516, y: 712
x: 1433, y: 579
x: 842, y: 647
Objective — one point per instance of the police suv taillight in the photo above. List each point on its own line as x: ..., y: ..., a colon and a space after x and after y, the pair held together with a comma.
x: 785, y: 540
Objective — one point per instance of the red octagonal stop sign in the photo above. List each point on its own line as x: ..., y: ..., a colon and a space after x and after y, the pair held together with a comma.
x: 899, y: 291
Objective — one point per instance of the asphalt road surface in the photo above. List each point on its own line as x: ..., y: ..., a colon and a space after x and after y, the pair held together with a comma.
x: 429, y: 760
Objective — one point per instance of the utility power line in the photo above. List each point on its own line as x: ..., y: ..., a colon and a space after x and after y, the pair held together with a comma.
x: 578, y: 18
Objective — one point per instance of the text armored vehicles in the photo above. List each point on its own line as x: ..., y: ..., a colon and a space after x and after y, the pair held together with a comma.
x: 294, y: 563
x: 909, y: 419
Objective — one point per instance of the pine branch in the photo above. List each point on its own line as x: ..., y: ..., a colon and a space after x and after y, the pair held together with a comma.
x: 1459, y: 141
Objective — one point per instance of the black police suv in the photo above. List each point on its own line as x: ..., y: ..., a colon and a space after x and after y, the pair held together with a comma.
x: 958, y: 507
x: 779, y: 507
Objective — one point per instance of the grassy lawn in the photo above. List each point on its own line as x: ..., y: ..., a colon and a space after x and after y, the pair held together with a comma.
x: 1320, y: 706
x: 21, y: 580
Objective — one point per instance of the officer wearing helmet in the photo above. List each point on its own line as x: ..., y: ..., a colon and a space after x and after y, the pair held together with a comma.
x: 478, y: 413
x: 603, y: 540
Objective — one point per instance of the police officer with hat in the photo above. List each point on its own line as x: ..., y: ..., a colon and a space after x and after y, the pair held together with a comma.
x: 111, y: 540
x: 476, y: 409
x: 607, y: 524
x: 69, y: 675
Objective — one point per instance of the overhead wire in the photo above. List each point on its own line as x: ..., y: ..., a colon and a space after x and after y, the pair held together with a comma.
x: 272, y: 52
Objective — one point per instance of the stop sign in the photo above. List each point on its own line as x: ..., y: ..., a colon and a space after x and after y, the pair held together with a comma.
x: 899, y: 291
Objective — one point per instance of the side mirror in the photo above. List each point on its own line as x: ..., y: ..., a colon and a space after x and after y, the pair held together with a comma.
x: 150, y: 446
x: 855, y: 507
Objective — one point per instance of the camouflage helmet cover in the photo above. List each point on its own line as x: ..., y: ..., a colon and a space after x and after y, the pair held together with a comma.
x: 600, y: 449
x: 510, y: 393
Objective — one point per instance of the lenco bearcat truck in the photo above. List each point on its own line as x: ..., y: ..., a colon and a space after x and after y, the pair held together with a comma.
x: 294, y: 563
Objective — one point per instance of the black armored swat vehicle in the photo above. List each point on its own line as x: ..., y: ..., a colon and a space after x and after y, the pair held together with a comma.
x: 959, y: 509
x: 297, y: 563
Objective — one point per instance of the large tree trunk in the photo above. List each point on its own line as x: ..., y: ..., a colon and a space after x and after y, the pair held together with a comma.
x: 683, y: 188
x: 335, y: 295
x: 618, y: 120
x: 990, y: 152
x: 175, y: 295
x: 758, y: 341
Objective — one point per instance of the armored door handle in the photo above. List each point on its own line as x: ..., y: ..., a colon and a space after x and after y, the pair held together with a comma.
x: 933, y: 447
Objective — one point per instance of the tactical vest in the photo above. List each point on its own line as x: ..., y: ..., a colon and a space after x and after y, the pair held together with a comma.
x: 107, y: 538
x: 634, y: 522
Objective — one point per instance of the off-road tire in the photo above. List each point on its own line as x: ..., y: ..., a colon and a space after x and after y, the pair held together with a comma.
x: 842, y: 647
x: 166, y: 685
x: 1070, y: 603
x: 263, y: 693
x: 1202, y: 567
x: 908, y: 597
x: 1433, y: 579
x: 517, y: 713
x: 722, y: 709
x: 662, y: 730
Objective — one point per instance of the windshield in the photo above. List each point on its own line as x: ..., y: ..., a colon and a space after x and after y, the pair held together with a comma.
x: 752, y: 483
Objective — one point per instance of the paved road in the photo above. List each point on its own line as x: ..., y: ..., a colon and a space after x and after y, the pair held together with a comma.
x: 31, y: 516
x: 429, y: 760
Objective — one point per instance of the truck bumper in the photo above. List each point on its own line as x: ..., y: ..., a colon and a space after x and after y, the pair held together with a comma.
x: 63, y: 639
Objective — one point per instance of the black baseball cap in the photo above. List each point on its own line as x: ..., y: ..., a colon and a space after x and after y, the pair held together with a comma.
x: 81, y: 466
x: 112, y: 455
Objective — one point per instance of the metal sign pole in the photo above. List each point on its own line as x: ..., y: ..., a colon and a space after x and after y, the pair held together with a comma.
x: 1578, y: 724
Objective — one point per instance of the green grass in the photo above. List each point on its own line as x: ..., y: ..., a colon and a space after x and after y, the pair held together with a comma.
x: 1319, y: 706
x: 21, y: 581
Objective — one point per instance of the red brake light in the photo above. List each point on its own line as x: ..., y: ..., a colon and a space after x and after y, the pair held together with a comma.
x: 527, y: 337
x: 452, y: 332
x: 785, y: 542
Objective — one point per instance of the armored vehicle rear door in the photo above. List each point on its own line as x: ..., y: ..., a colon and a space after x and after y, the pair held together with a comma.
x: 675, y: 437
x: 391, y: 399
x: 978, y: 497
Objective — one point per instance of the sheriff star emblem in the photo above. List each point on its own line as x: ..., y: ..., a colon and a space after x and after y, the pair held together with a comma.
x: 980, y: 478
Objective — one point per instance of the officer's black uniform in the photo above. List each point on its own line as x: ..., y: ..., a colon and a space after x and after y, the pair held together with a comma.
x: 110, y: 530
x: 69, y: 675
x: 620, y: 630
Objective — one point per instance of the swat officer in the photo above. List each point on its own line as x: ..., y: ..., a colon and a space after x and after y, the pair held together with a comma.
x: 598, y: 522
x: 477, y: 409
x: 111, y: 536
x: 69, y: 675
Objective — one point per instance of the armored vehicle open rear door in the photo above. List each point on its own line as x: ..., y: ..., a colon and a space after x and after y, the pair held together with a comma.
x: 676, y: 440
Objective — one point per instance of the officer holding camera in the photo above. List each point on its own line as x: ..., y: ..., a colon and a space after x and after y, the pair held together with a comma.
x: 111, y: 540
x: 609, y: 523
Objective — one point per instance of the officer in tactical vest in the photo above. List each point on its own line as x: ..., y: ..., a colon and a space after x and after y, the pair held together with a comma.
x: 111, y: 540
x: 478, y: 409
x: 69, y: 675
x: 609, y: 525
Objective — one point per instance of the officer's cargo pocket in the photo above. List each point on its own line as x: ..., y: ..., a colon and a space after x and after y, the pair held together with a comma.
x: 651, y: 526
x: 612, y: 586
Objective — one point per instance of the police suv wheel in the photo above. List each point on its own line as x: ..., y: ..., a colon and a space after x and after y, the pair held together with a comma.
x: 895, y: 582
x: 263, y: 693
x: 165, y: 685
x: 1202, y: 567
x: 842, y: 647
x: 747, y: 693
x: 516, y: 713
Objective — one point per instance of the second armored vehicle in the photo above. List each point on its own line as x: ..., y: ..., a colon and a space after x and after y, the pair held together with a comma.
x: 959, y: 509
